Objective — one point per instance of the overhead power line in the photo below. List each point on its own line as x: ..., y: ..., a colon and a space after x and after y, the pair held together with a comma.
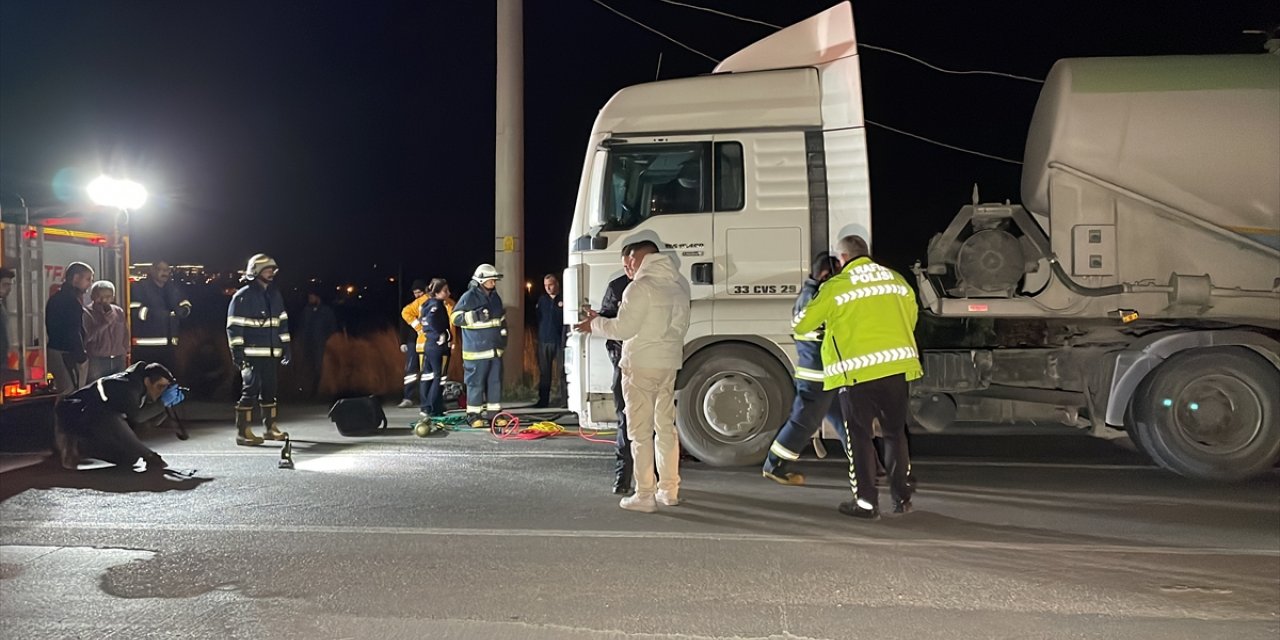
x: 1012, y: 76
x: 645, y: 26
x: 940, y: 144
x: 870, y: 122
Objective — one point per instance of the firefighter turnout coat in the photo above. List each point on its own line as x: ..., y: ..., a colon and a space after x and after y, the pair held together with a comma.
x: 156, y: 311
x: 870, y: 316
x: 480, y: 315
x: 808, y: 345
x: 410, y: 315
x: 257, y: 324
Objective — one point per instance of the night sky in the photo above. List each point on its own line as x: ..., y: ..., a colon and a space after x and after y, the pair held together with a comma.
x: 337, y: 136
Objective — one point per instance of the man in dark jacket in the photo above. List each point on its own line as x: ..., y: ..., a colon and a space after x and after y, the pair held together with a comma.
x: 318, y: 323
x: 157, y: 304
x: 623, y: 468
x: 258, y: 333
x: 98, y: 421
x: 812, y: 403
x: 551, y: 335
x: 64, y: 324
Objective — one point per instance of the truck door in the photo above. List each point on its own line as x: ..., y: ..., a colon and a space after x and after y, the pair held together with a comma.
x: 761, y: 230
x: 663, y: 185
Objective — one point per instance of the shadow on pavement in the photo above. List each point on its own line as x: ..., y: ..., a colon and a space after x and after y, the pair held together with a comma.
x: 108, y: 479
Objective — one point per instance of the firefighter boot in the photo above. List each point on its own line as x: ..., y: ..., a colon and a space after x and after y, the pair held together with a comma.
x: 272, y: 432
x: 244, y: 432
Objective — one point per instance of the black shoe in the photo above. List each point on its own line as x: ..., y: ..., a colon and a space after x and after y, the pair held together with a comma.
x: 541, y: 404
x: 622, y: 487
x: 901, y: 507
x: 852, y: 508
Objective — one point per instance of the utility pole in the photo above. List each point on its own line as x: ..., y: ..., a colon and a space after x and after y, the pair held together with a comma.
x: 508, y: 210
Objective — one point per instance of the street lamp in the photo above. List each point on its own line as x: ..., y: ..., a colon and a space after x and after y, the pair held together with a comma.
x: 123, y: 195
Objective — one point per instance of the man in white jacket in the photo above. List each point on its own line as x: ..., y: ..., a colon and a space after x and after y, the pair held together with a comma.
x: 651, y: 323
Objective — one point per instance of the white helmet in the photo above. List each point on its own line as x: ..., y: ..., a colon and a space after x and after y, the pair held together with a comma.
x: 486, y: 272
x: 256, y: 264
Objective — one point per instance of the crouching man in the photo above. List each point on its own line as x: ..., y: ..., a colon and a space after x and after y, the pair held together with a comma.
x: 98, y: 421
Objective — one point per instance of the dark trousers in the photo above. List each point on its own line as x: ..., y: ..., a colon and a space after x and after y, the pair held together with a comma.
x: 412, y: 372
x: 258, y: 382
x: 549, y: 354
x: 484, y: 384
x: 884, y: 399
x: 622, y: 454
x: 811, y: 405
x: 100, y: 433
x: 431, y: 388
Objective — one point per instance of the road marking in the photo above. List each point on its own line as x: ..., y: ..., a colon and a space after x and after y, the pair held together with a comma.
x: 846, y: 540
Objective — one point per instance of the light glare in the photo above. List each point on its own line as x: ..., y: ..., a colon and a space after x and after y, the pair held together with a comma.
x: 122, y: 194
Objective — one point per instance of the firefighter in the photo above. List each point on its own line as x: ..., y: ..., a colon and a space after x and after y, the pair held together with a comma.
x: 157, y: 304
x: 433, y: 317
x: 480, y: 315
x: 258, y: 332
x: 812, y: 402
x: 869, y: 352
x: 412, y: 343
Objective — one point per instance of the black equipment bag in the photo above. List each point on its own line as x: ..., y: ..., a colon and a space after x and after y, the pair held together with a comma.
x: 358, y: 416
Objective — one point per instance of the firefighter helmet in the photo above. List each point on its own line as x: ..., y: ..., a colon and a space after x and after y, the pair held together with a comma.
x: 256, y: 264
x: 486, y: 272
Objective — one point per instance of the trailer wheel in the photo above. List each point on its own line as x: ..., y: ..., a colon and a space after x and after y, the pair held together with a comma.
x: 1210, y: 413
x: 734, y: 400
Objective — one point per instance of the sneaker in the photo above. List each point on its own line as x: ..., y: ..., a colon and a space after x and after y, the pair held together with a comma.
x: 789, y: 478
x: 405, y: 404
x: 667, y: 499
x: 901, y: 507
x: 643, y: 504
x: 853, y: 508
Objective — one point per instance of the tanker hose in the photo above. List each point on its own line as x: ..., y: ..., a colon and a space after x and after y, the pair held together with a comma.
x: 1076, y: 287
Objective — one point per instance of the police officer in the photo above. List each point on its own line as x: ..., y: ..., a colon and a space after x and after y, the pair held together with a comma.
x: 869, y: 350
x: 258, y: 332
x: 157, y: 303
x: 413, y: 343
x: 433, y: 317
x: 812, y: 401
x: 623, y: 467
x: 480, y: 315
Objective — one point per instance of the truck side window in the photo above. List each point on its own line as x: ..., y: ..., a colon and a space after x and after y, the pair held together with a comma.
x: 729, y: 182
x: 646, y: 180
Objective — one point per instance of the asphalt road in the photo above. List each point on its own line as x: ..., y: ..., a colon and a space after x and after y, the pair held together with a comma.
x: 465, y: 536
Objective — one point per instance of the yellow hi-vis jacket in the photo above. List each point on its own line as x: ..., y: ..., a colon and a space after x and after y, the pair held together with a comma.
x: 410, y: 315
x: 870, y: 315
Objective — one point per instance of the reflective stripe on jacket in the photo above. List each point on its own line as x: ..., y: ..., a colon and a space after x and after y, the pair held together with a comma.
x: 870, y: 316
x: 483, y: 336
x: 257, y: 323
x: 154, y: 310
x: 808, y: 345
x: 410, y: 315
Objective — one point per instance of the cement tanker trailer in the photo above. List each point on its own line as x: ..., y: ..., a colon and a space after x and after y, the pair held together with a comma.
x: 1134, y: 296
x: 1138, y: 291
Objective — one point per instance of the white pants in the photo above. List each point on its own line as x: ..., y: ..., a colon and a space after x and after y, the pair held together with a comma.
x: 650, y: 396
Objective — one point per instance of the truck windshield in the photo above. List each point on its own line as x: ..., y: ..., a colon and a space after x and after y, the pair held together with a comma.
x: 655, y: 179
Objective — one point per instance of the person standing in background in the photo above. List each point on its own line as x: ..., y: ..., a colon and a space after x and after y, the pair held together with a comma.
x: 318, y: 323
x: 64, y: 324
x: 106, y: 339
x: 157, y: 304
x: 551, y: 336
x: 412, y: 343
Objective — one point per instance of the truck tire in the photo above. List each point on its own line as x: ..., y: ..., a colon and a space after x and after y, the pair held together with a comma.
x: 734, y: 400
x: 1210, y: 413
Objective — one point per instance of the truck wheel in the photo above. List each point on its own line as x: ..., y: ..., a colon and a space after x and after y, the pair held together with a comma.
x: 734, y: 400
x: 1210, y: 413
